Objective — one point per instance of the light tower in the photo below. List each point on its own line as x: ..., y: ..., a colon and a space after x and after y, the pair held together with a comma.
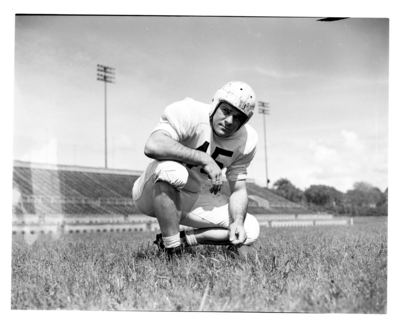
x: 263, y: 108
x: 105, y: 74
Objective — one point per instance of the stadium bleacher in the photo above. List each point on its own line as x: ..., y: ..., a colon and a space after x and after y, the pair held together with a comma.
x: 276, y: 203
x: 86, y: 197
x: 54, y: 189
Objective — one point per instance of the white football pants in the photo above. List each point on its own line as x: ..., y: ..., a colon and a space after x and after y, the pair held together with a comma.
x: 199, y: 210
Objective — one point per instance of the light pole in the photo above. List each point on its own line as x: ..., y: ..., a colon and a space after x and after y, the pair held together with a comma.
x: 263, y: 108
x: 107, y: 76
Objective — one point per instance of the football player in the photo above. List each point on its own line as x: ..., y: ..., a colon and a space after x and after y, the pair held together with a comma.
x: 191, y: 145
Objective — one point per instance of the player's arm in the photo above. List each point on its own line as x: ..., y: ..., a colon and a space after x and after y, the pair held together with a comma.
x: 161, y: 146
x: 238, y: 202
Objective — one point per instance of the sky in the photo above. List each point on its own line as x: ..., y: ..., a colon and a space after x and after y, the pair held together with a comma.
x: 326, y: 84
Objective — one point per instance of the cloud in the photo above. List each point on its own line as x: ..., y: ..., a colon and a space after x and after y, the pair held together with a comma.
x: 352, y: 141
x: 279, y: 74
x: 46, y: 154
x: 323, y: 153
x: 344, y: 159
x: 122, y: 141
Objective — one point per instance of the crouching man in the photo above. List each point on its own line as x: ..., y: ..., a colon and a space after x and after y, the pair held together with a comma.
x: 191, y: 145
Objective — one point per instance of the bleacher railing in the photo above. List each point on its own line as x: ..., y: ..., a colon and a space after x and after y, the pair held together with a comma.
x: 37, y: 199
x: 285, y: 205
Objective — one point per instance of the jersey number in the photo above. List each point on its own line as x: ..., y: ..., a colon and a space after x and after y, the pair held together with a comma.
x: 218, y: 151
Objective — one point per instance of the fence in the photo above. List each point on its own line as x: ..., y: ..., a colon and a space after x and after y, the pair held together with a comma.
x: 68, y: 224
x: 306, y: 223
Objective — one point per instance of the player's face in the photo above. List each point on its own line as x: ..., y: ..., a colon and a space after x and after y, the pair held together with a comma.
x: 226, y: 120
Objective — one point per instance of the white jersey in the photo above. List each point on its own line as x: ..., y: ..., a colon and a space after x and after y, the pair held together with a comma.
x: 188, y: 122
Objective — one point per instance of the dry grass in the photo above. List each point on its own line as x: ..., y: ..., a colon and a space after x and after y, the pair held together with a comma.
x: 317, y: 269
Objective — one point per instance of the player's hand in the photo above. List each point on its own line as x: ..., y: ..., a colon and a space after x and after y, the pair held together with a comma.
x: 237, y: 234
x: 215, y: 174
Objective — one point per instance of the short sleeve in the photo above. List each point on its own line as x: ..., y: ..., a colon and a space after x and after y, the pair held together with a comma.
x: 238, y: 170
x: 176, y: 120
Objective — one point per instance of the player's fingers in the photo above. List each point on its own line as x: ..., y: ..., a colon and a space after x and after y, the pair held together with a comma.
x: 216, y: 182
x: 213, y: 179
x: 236, y: 242
x: 242, y: 236
x: 215, y: 189
x: 215, y: 173
x: 233, y: 236
x: 233, y: 240
x: 238, y: 236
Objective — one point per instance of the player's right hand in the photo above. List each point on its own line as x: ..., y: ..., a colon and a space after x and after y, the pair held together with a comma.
x: 237, y: 234
x: 214, y: 174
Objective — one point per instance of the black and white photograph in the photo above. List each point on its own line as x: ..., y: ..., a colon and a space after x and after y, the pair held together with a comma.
x: 200, y: 163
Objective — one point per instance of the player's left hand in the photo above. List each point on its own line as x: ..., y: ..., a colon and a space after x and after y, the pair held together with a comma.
x: 216, y: 186
x: 237, y: 234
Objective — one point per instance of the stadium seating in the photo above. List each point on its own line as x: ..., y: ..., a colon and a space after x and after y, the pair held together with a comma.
x: 70, y: 199
x: 70, y: 190
x: 276, y: 204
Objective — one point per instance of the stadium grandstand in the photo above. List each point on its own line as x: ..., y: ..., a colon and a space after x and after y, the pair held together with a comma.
x: 101, y: 199
x: 53, y: 189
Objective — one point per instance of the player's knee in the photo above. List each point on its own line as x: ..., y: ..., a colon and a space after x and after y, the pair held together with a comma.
x: 172, y: 173
x: 252, y: 228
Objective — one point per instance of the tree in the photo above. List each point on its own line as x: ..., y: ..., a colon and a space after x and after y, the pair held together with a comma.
x: 365, y: 195
x: 384, y: 200
x: 364, y: 199
x: 285, y: 188
x: 326, y: 197
x: 317, y: 194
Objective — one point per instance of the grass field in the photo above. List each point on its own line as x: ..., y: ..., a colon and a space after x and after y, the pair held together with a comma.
x: 340, y: 269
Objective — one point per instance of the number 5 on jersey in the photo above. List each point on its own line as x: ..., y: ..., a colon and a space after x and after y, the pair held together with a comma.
x: 218, y: 151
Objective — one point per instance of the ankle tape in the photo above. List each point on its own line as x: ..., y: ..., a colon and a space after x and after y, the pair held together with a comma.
x: 190, y: 238
x: 172, y: 241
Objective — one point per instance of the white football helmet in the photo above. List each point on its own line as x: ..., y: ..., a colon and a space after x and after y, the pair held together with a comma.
x: 238, y: 94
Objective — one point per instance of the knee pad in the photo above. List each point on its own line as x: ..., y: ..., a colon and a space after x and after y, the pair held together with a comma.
x: 252, y: 229
x: 171, y: 172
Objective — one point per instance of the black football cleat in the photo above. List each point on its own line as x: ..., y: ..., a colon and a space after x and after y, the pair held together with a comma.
x: 174, y: 252
x: 242, y: 252
x: 232, y: 251
x: 159, y: 242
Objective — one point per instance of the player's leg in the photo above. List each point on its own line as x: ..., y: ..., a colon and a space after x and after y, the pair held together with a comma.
x: 211, y: 236
x: 157, y: 194
x: 209, y: 233
x: 210, y: 219
x: 174, y: 176
x: 167, y: 207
